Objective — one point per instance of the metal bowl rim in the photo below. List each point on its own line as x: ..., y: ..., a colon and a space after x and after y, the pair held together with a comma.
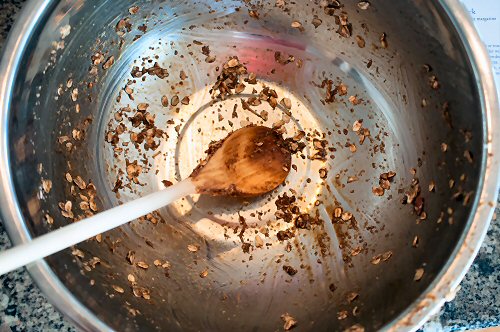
x: 445, y: 283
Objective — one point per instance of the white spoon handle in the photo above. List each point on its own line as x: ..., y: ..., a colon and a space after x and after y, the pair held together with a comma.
x: 67, y: 236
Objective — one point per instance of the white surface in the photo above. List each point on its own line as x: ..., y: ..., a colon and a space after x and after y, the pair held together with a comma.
x: 77, y: 232
x: 486, y: 17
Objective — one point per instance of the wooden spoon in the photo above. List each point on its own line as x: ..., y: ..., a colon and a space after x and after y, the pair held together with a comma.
x: 249, y: 162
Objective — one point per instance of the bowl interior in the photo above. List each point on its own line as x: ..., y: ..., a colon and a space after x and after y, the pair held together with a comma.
x: 115, y: 100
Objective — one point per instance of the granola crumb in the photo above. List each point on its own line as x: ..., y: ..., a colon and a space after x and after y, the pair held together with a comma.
x: 204, y: 273
x: 355, y: 328
x: 419, y: 273
x: 289, y: 321
x: 289, y: 270
x: 46, y: 185
x: 118, y: 289
x: 193, y: 247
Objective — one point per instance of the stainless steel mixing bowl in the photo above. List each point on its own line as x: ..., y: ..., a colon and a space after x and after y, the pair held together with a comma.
x: 413, y: 71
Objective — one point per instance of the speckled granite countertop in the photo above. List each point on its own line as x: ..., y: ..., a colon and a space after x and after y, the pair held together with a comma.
x: 477, y: 304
